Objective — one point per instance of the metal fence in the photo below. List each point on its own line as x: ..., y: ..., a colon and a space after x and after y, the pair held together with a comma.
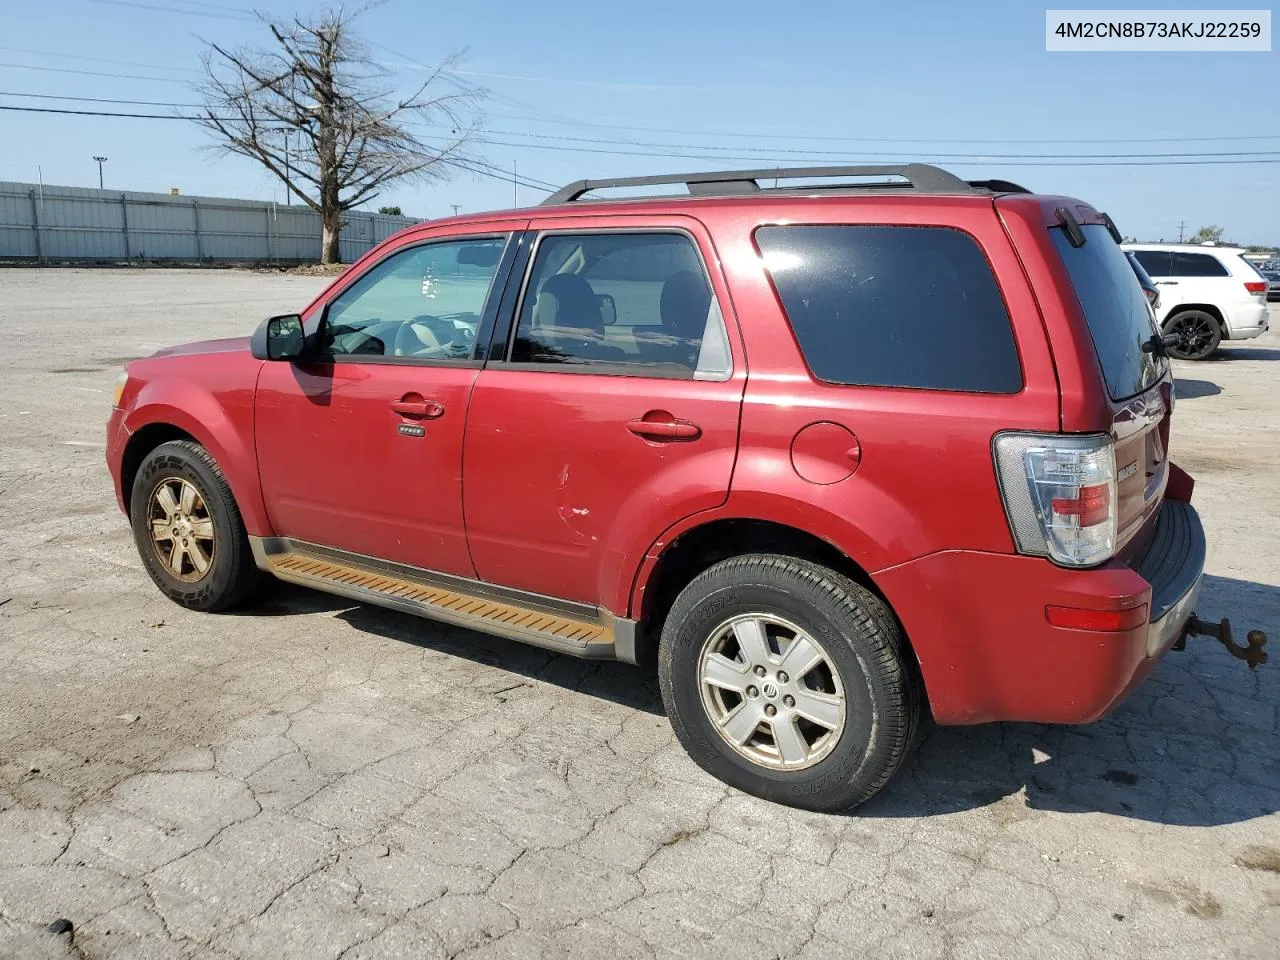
x: 52, y: 224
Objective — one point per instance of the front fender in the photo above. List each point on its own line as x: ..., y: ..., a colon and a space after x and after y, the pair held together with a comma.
x: 220, y: 422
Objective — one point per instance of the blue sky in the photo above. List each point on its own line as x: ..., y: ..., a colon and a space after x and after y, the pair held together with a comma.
x: 809, y: 82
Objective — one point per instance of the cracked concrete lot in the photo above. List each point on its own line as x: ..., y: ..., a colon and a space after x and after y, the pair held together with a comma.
x: 313, y: 779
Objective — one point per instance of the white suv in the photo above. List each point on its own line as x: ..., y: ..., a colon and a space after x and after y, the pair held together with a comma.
x: 1207, y: 294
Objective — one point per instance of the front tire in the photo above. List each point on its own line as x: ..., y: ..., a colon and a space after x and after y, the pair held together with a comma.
x: 188, y: 529
x: 788, y: 681
x: 1200, y: 332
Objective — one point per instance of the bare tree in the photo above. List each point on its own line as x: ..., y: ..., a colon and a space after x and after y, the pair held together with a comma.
x: 317, y: 111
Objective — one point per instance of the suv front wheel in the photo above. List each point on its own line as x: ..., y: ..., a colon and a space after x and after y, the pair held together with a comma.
x: 788, y: 681
x: 188, y: 530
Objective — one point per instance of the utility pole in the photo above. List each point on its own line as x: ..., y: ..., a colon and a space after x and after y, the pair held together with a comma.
x: 1182, y: 225
x: 101, y: 161
x: 456, y: 208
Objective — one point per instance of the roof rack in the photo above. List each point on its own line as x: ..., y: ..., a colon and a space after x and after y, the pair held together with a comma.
x: 920, y: 177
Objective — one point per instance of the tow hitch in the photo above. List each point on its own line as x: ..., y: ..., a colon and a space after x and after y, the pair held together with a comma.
x: 1251, y: 653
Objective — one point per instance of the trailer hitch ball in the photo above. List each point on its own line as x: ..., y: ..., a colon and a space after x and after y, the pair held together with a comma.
x: 1250, y: 652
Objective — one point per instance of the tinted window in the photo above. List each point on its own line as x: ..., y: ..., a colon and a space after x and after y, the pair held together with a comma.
x: 893, y: 306
x: 424, y: 302
x: 1196, y: 265
x: 623, y: 299
x: 1115, y: 309
x: 1155, y: 262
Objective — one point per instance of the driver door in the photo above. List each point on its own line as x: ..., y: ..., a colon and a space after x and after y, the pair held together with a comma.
x: 360, y: 445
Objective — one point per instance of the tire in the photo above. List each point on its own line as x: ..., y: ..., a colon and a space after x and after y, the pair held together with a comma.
x: 1200, y: 331
x: 865, y: 663
x: 213, y: 529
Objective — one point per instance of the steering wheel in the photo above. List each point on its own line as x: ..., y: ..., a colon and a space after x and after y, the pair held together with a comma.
x: 417, y: 338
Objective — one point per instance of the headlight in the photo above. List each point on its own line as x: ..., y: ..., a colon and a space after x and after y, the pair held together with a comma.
x: 118, y: 390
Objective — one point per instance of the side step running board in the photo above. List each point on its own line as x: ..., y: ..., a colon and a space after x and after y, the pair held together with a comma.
x: 573, y: 628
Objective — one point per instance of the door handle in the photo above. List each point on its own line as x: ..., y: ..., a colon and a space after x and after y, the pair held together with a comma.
x: 1166, y: 283
x: 666, y: 429
x: 418, y: 409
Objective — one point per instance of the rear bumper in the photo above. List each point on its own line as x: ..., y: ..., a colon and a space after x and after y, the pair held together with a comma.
x: 1248, y: 320
x: 1173, y: 564
x: 978, y: 626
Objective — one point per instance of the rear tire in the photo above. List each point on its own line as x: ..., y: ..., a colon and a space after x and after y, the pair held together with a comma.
x: 188, y: 529
x: 843, y: 725
x: 1200, y: 331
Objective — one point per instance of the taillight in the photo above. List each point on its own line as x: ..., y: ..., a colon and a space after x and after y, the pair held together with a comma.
x: 1256, y: 287
x: 1152, y: 294
x: 1060, y: 495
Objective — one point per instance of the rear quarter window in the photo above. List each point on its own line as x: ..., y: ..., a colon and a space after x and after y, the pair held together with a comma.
x: 893, y: 306
x: 1197, y: 265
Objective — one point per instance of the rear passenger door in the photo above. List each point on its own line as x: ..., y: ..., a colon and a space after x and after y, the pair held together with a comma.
x: 609, y: 410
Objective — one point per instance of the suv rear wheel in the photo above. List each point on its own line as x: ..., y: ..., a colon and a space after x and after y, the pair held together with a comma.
x: 788, y: 681
x: 1200, y: 333
x: 188, y: 529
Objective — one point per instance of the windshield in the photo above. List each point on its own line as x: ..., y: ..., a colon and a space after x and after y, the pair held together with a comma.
x: 1115, y: 308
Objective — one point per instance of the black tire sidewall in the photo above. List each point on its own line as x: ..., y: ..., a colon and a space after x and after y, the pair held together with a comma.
x: 854, y: 768
x: 179, y: 460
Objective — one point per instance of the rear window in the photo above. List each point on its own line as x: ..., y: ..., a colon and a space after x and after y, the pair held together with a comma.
x: 1114, y: 308
x: 893, y: 306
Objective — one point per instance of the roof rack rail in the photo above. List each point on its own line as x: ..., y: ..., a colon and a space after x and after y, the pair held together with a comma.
x: 920, y: 177
x: 999, y: 186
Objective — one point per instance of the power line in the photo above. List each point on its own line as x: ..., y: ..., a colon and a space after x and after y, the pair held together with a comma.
x: 160, y: 9
x: 106, y: 113
x: 843, y: 153
x: 77, y: 56
x: 1257, y: 156
x: 92, y: 73
x: 1156, y: 160
x: 136, y: 103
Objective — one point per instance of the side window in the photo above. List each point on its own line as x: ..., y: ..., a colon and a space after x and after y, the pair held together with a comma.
x: 424, y: 302
x: 1197, y: 265
x: 893, y: 306
x: 622, y: 299
x: 1155, y: 262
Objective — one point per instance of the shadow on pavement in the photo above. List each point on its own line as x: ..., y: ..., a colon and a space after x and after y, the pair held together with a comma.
x: 1191, y: 389
x: 1242, y: 353
x: 1193, y: 746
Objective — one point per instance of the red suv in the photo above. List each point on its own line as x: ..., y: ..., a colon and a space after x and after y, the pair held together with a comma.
x: 839, y: 452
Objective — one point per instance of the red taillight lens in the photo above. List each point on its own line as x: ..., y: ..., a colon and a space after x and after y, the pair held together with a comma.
x: 1257, y: 287
x: 1110, y: 621
x: 1090, y: 506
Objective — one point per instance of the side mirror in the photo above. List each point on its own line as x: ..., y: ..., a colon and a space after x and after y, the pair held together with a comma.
x: 278, y: 338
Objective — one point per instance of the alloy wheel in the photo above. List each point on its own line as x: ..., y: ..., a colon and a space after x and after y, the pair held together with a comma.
x: 1197, y: 332
x: 182, y: 530
x: 771, y: 691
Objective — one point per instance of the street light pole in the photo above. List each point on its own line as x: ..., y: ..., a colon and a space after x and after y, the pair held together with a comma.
x: 101, y: 161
